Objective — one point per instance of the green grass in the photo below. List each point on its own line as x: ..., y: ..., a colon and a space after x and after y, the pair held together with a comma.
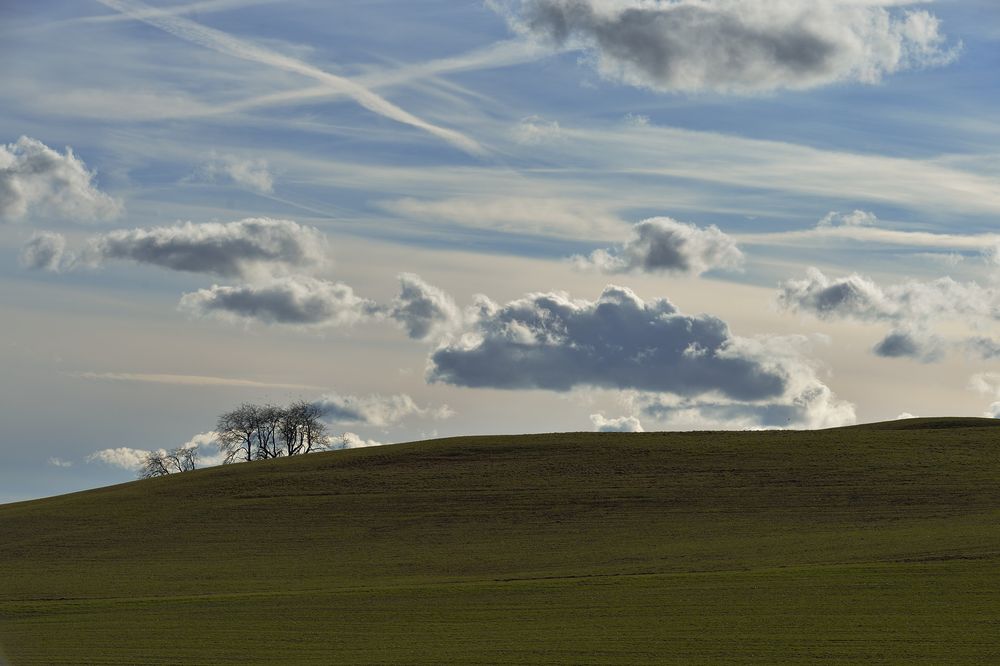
x: 877, y: 544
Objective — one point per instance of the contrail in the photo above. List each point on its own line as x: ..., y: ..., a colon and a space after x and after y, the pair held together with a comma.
x: 224, y: 43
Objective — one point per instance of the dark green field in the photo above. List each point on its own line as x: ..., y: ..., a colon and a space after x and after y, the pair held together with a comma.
x: 876, y: 544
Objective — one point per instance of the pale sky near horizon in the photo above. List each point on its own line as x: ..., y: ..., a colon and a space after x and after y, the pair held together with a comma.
x: 441, y: 218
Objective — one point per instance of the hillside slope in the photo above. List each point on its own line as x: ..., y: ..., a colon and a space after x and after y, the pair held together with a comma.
x: 869, y: 544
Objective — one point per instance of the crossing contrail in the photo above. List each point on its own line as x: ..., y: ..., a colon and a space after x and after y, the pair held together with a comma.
x: 217, y: 40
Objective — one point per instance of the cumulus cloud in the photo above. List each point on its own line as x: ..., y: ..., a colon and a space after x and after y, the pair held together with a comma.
x: 807, y: 402
x: 620, y: 424
x: 232, y: 249
x: 132, y: 459
x: 913, y: 308
x: 734, y: 46
x: 860, y: 298
x: 910, y: 344
x: 664, y: 245
x: 988, y: 384
x: 374, y: 410
x: 44, y: 251
x: 425, y: 311
x: 37, y: 181
x: 902, y: 416
x: 549, y: 341
x: 350, y: 440
x: 252, y: 173
x: 122, y: 456
x: 294, y: 301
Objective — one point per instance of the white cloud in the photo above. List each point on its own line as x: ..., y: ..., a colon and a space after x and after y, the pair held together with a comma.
x: 37, y: 181
x: 350, y: 440
x: 860, y: 298
x: 549, y: 341
x: 374, y: 410
x: 661, y: 244
x: 59, y: 462
x: 186, y: 380
x: 425, y: 311
x: 132, y: 459
x: 905, y: 415
x: 533, y: 130
x: 856, y: 218
x: 806, y: 401
x: 914, y: 309
x: 734, y: 46
x: 122, y: 456
x: 545, y: 215
x: 671, y: 363
x: 252, y: 173
x: 253, y: 246
x: 620, y: 424
x: 44, y: 251
x: 292, y: 301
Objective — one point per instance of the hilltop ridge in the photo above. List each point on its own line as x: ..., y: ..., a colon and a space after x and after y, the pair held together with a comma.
x: 872, y: 543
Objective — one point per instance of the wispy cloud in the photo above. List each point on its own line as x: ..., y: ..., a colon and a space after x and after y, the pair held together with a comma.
x: 201, y: 7
x: 225, y: 43
x: 187, y: 380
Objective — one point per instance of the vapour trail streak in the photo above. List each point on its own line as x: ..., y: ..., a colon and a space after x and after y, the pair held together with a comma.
x: 224, y: 43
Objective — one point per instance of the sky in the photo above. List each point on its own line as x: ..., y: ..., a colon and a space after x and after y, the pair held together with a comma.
x: 439, y: 218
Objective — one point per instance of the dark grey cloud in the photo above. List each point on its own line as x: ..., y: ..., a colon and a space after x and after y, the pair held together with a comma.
x: 807, y: 403
x: 232, y: 249
x: 909, y: 344
x: 664, y: 245
x: 424, y: 310
x: 548, y: 341
x: 36, y: 181
x: 295, y: 301
x: 733, y: 45
x: 44, y: 251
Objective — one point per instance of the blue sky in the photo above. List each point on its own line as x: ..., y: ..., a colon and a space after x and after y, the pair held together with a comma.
x: 607, y: 214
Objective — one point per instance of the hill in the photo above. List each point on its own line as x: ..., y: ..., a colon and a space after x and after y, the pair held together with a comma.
x: 872, y: 544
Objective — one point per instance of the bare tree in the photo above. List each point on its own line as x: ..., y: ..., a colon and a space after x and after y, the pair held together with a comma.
x: 161, y: 463
x: 301, y: 430
x: 235, y: 432
x: 259, y: 432
x: 267, y: 422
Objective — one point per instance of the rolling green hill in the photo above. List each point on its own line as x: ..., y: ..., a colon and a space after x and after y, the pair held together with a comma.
x: 872, y: 544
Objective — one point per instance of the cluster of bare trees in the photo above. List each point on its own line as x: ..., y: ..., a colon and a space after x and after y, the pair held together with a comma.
x: 161, y: 463
x: 258, y: 432
x: 251, y: 432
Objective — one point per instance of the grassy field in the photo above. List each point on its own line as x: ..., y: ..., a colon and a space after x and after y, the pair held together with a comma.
x: 877, y: 544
